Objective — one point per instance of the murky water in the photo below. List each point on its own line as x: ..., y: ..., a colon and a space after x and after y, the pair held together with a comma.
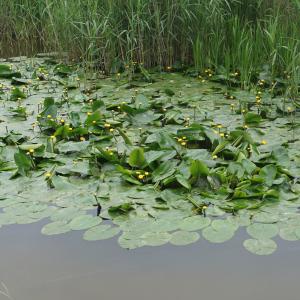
x: 37, y: 267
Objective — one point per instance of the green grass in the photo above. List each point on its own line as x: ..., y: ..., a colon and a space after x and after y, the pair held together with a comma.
x: 243, y: 35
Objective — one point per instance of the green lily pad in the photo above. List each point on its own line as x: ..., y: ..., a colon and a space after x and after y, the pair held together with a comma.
x: 290, y: 233
x: 156, y: 238
x: 220, y: 231
x: 66, y: 214
x: 194, y: 223
x: 101, y: 232
x: 261, y: 246
x: 130, y: 243
x: 84, y: 222
x: 262, y: 231
x: 54, y: 228
x: 181, y: 238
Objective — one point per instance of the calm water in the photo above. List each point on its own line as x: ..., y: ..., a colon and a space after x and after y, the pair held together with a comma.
x: 37, y: 267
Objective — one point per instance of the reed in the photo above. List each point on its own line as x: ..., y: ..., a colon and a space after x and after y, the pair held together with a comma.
x: 245, y: 35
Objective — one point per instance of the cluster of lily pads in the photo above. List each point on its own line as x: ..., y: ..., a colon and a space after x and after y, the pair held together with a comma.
x: 158, y: 161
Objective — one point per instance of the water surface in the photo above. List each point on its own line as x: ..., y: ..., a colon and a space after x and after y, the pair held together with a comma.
x: 65, y: 267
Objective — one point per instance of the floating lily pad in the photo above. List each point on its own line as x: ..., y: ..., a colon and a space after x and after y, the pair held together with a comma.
x: 84, y: 222
x: 262, y: 231
x: 54, y: 228
x: 66, y: 214
x: 220, y: 231
x: 181, y: 238
x: 290, y: 233
x: 130, y: 243
x: 261, y: 246
x: 155, y: 238
x: 194, y: 223
x: 101, y: 232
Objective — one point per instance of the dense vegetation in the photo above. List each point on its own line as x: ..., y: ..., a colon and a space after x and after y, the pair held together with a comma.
x: 226, y: 35
x: 159, y: 158
x: 151, y: 120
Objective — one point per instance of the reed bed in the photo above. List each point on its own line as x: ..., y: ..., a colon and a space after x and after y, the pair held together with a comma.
x: 248, y: 35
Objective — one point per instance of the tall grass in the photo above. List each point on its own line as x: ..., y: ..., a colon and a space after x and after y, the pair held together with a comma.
x: 235, y: 34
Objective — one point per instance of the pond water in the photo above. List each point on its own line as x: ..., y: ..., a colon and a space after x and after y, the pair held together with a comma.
x: 168, y: 160
x: 65, y: 267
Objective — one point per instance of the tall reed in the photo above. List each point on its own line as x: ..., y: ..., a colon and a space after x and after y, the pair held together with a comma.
x: 235, y: 34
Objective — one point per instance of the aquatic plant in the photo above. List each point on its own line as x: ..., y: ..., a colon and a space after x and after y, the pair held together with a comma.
x: 250, y: 36
x: 153, y: 162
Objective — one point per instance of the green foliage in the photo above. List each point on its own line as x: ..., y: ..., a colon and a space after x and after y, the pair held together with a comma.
x: 120, y: 36
x: 137, y: 158
x: 198, y: 168
x: 160, y: 168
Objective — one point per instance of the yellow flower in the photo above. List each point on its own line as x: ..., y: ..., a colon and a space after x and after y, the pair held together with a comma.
x: 48, y: 174
x: 49, y: 116
x: 31, y: 150
x: 263, y: 142
x: 82, y: 138
x: 94, y: 122
x: 221, y: 134
x: 146, y: 173
x: 111, y: 130
x: 88, y: 113
x: 215, y: 156
x: 107, y: 125
x: 141, y: 176
x: 183, y: 143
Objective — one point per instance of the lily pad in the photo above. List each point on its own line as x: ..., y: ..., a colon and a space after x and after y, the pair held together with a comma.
x: 194, y: 223
x: 220, y: 231
x: 261, y: 246
x: 156, y: 238
x: 181, y: 238
x: 262, y: 231
x: 54, y: 228
x: 84, y: 222
x: 101, y: 232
